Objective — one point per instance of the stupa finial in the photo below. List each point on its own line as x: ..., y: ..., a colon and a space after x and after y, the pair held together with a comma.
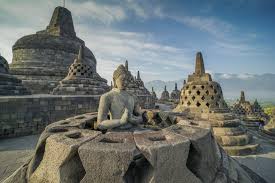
x: 176, y: 86
x: 165, y: 88
x: 138, y: 76
x: 80, y: 54
x: 242, y: 99
x: 199, y: 70
x: 126, y: 65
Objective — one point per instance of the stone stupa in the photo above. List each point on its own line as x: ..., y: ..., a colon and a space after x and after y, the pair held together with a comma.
x: 9, y: 84
x: 136, y: 87
x: 252, y: 114
x: 175, y: 94
x: 202, y: 98
x: 164, y: 95
x: 41, y: 60
x: 81, y: 79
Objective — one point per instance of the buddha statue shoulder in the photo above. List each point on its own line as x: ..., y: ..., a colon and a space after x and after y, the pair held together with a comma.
x: 121, y: 106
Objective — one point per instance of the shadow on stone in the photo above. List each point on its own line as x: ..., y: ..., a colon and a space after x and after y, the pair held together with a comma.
x: 139, y: 171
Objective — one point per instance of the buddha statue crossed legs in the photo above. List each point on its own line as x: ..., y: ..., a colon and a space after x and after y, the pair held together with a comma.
x: 122, y: 106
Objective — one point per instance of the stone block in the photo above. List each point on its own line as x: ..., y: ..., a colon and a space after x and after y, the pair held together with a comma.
x: 107, y: 158
x: 60, y: 161
x: 167, y: 153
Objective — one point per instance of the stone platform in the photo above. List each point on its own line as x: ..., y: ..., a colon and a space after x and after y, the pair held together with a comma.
x: 70, y: 151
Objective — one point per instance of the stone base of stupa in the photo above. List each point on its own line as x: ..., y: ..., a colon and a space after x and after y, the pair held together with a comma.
x: 231, y: 135
x: 268, y: 133
x: 10, y: 85
x: 252, y: 123
x: 81, y: 87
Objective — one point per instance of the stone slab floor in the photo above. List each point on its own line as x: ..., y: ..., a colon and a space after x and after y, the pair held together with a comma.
x: 15, y: 151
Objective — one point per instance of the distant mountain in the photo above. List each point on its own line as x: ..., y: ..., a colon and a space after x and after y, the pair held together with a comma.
x: 261, y: 87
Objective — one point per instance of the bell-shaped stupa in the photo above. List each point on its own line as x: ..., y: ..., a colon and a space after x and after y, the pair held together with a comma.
x: 165, y: 95
x: 175, y: 94
x: 41, y: 60
x: 202, y: 98
x: 81, y: 79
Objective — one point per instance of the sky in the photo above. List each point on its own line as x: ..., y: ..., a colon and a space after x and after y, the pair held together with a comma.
x: 158, y: 37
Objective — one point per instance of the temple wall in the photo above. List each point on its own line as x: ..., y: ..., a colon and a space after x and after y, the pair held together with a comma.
x: 25, y: 115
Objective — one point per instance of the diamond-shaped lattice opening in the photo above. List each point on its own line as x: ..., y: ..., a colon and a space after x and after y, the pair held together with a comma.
x: 207, y: 92
x: 212, y: 97
x: 207, y: 104
x: 189, y: 92
x: 193, y: 98
x: 194, y: 87
x: 78, y: 70
x: 74, y: 73
x: 78, y: 64
x: 185, y: 97
x: 187, y: 87
x: 211, y: 86
x: 198, y: 104
x: 188, y: 103
x: 75, y: 67
x: 202, y: 97
x: 217, y: 104
x: 219, y: 97
x: 198, y: 92
x: 139, y: 170
x: 202, y: 87
x: 215, y: 91
x: 82, y: 74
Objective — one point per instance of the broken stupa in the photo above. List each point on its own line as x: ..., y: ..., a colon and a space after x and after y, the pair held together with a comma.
x: 251, y: 114
x: 202, y: 98
x: 41, y: 60
x: 114, y: 146
x: 9, y: 84
x: 81, y: 79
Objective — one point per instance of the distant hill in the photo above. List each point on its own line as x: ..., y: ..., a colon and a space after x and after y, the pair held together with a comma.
x: 261, y: 87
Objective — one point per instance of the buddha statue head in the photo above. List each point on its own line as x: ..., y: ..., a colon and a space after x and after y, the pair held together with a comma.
x: 120, y: 78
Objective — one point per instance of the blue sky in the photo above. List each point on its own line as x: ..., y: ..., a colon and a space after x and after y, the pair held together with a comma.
x: 158, y: 37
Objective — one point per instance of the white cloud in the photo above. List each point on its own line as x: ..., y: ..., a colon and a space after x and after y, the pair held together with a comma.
x: 112, y: 48
x: 106, y: 14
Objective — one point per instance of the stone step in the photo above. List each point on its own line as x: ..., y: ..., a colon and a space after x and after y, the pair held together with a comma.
x: 228, y: 131
x: 242, y: 150
x: 239, y: 140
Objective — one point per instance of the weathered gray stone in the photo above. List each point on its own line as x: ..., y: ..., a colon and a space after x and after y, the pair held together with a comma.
x: 60, y: 161
x: 167, y: 153
x: 107, y: 158
x: 10, y: 85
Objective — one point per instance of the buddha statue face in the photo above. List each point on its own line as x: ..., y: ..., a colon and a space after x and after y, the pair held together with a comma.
x: 121, y: 82
x: 120, y: 78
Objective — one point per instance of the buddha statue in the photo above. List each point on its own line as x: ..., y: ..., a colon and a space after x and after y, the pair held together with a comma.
x: 121, y: 106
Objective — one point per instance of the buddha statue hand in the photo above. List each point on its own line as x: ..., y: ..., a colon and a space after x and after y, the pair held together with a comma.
x: 125, y: 117
x: 135, y: 119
